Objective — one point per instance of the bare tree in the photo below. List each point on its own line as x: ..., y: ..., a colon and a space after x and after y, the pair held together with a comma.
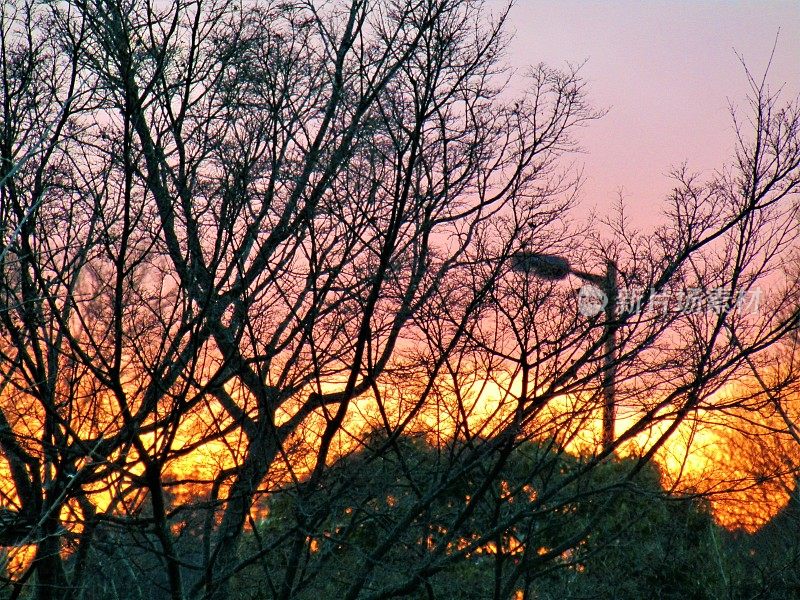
x: 261, y: 230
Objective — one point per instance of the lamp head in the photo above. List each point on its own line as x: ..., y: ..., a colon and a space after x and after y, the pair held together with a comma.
x: 545, y: 266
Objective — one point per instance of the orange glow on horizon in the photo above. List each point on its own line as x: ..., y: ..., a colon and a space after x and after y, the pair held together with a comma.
x: 692, y: 459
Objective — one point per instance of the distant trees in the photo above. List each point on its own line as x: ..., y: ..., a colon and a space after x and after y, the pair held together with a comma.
x: 238, y: 237
x: 640, y: 538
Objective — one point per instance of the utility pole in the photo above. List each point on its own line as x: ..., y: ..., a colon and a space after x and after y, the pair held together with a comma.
x: 554, y: 268
x: 610, y: 354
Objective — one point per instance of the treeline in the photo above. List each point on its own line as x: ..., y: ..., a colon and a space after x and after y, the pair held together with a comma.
x: 636, y: 539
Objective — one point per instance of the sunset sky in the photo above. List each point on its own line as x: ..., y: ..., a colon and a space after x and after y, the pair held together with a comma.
x: 665, y: 71
x: 303, y: 300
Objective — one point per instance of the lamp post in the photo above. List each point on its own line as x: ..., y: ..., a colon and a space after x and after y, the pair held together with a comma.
x: 555, y: 268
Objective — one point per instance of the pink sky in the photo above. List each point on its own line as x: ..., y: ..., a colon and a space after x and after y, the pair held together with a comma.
x: 666, y: 71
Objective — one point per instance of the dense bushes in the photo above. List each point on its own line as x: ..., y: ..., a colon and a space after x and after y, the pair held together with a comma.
x: 615, y: 533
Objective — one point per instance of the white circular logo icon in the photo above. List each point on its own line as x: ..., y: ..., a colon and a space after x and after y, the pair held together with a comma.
x: 591, y: 300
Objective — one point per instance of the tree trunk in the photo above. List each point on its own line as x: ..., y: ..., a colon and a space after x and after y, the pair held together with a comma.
x: 261, y: 453
x: 52, y: 582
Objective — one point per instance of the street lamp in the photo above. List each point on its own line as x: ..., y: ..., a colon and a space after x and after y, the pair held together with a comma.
x: 555, y: 268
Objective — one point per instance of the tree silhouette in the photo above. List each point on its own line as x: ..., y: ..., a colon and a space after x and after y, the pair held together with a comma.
x: 239, y: 237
